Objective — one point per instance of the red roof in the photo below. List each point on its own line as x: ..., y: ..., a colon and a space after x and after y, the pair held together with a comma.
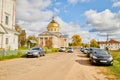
x: 111, y: 41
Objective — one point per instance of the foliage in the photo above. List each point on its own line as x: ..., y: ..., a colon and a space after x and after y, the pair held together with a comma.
x: 21, y: 36
x: 49, y: 43
x: 76, y: 40
x: 22, y: 48
x: 51, y: 50
x: 85, y: 45
x: 93, y: 43
x: 18, y: 55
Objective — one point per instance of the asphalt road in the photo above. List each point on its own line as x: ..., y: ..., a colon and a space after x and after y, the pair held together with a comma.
x: 58, y: 66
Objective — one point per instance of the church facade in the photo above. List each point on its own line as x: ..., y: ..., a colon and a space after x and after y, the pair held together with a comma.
x: 53, y: 38
x: 8, y: 35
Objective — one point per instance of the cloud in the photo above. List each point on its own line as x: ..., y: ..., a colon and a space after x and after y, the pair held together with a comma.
x: 105, y: 22
x: 76, y: 1
x: 72, y: 28
x: 33, y: 10
x: 116, y: 3
x: 33, y: 16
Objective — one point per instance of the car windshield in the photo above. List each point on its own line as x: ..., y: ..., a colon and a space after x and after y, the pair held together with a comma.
x: 35, y: 49
x: 101, y: 51
x: 70, y: 48
x: 62, y: 47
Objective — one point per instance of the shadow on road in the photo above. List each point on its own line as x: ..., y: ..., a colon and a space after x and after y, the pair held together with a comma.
x: 83, y: 62
x: 84, y: 56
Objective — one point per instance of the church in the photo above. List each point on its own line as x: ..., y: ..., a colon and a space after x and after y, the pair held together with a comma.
x: 52, y: 37
x: 8, y: 35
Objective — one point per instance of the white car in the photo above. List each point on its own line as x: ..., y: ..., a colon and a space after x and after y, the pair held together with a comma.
x: 62, y: 49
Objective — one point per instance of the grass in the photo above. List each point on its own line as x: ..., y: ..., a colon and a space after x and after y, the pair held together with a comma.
x: 7, y: 57
x: 116, y: 65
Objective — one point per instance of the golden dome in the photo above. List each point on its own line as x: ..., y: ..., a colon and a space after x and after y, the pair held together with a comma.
x: 53, y: 23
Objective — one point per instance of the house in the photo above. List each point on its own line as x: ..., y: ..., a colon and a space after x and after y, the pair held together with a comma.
x: 111, y: 44
x: 53, y: 38
x: 8, y: 34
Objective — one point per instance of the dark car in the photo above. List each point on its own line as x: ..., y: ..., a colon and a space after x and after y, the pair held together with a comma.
x: 36, y: 52
x: 101, y: 56
x: 70, y: 50
x: 90, y: 50
x: 62, y: 49
x: 82, y: 49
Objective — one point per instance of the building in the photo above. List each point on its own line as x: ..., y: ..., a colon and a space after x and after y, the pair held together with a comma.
x: 8, y: 35
x: 52, y: 38
x: 111, y: 45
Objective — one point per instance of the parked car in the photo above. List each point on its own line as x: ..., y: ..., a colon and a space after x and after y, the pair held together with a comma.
x: 90, y: 50
x: 82, y: 49
x: 62, y: 49
x: 101, y: 56
x: 36, y: 52
x: 70, y: 50
x: 85, y: 50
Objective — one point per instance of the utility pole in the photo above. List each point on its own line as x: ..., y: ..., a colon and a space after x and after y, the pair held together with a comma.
x: 107, y: 41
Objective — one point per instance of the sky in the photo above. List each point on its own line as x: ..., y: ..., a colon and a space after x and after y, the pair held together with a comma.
x: 91, y: 19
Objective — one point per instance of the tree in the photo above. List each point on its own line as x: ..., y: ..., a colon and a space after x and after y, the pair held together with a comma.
x: 21, y: 36
x: 93, y: 43
x: 76, y: 40
x: 49, y: 43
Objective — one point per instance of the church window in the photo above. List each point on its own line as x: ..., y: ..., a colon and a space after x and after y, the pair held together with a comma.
x: 6, y: 40
x: 6, y: 20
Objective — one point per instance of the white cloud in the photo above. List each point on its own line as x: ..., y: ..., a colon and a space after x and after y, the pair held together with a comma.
x: 104, y: 22
x: 33, y: 16
x: 116, y: 3
x: 33, y: 10
x: 73, y: 28
x: 76, y: 1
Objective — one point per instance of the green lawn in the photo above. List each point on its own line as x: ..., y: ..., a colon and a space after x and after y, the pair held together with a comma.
x: 116, y: 65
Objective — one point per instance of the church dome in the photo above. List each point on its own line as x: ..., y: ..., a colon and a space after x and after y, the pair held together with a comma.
x: 53, y: 23
x: 53, y: 26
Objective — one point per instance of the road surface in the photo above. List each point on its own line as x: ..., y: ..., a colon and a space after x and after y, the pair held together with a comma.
x: 58, y: 66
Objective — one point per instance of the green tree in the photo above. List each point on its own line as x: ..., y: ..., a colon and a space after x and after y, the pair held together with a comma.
x: 76, y: 40
x: 93, y: 43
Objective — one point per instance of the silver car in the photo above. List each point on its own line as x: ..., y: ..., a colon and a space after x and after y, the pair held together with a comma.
x: 36, y: 52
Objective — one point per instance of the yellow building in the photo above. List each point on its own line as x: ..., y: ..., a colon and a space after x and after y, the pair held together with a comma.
x: 52, y: 38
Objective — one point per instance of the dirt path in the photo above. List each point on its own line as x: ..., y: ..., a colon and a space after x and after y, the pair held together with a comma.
x: 59, y: 66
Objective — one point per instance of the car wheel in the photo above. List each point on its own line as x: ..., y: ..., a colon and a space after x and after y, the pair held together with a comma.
x: 111, y: 64
x: 44, y: 54
x: 38, y: 55
x: 27, y: 56
x: 92, y: 62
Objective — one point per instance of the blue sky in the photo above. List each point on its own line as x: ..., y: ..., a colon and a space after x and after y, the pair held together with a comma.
x: 91, y: 19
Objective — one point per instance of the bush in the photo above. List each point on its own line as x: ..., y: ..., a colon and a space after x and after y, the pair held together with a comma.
x: 55, y: 49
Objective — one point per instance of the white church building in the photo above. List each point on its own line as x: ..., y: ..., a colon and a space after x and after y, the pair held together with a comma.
x: 8, y: 35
